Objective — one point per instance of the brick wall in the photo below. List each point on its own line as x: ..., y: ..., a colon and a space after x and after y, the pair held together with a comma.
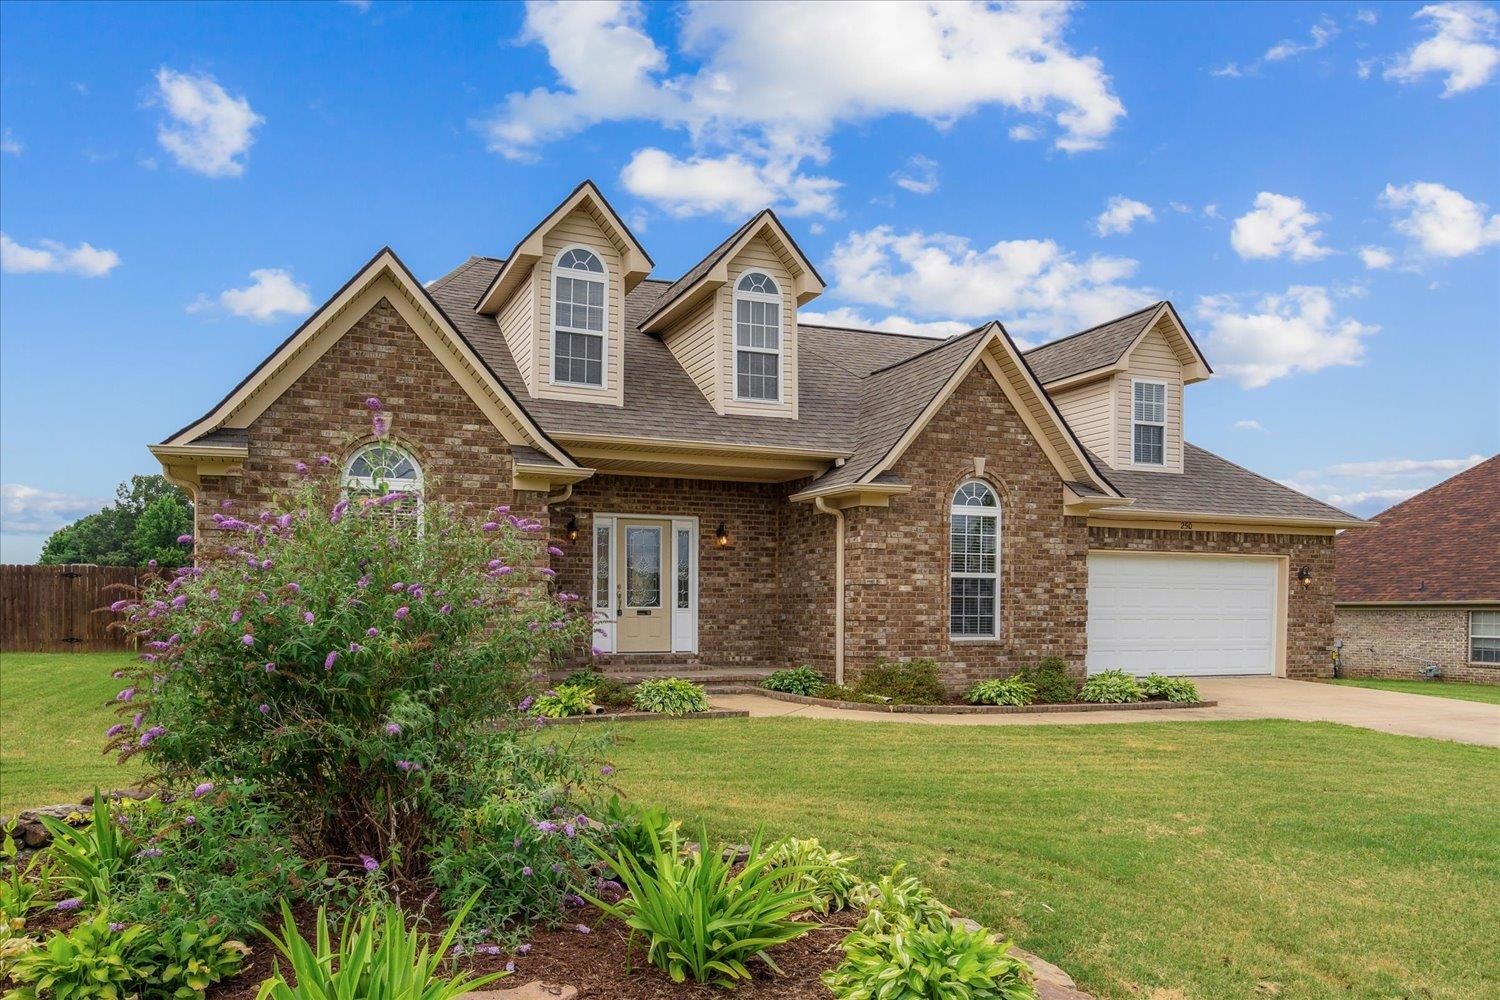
x: 464, y: 459
x: 1398, y: 642
x: 897, y: 557
x: 1309, y: 611
x: 808, y: 550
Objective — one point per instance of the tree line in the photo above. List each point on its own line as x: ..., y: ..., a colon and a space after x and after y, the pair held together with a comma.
x: 143, y: 524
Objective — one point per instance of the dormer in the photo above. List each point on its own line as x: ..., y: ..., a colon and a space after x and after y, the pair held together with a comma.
x: 731, y: 321
x: 1120, y: 386
x: 559, y: 300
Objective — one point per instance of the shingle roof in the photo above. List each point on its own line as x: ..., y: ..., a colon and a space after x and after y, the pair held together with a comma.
x: 1097, y: 347
x: 1212, y: 485
x: 1440, y: 546
x: 705, y: 265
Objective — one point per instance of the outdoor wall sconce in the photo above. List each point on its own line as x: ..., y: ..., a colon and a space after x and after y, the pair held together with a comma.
x: 721, y: 537
x: 572, y: 529
x: 1304, y: 576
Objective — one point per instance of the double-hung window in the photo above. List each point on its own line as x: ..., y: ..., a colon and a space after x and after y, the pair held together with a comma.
x: 1148, y: 422
x: 1484, y: 636
x: 757, y: 338
x: 579, y: 284
x: 974, y: 563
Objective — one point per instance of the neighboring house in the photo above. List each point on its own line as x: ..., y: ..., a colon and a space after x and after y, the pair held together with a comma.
x: 733, y: 487
x: 1422, y: 587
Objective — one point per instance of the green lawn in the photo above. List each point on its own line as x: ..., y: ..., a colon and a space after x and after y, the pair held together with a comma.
x: 1231, y: 859
x: 53, y: 713
x: 1487, y: 693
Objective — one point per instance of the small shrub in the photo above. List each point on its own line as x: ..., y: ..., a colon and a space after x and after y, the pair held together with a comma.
x: 90, y: 961
x: 1178, y: 689
x: 608, y: 691
x: 803, y: 680
x: 1054, y: 685
x: 1111, y: 687
x: 827, y: 875
x: 905, y: 682
x: 378, y: 957
x: 702, y: 919
x: 929, y: 961
x: 563, y: 701
x: 838, y: 692
x: 1009, y: 691
x: 670, y: 696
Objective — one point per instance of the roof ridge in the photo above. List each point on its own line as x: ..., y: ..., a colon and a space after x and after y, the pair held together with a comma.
x: 1097, y: 326
x: 1434, y: 487
x: 836, y: 362
x: 882, y: 333
x: 1267, y: 479
x: 934, y: 347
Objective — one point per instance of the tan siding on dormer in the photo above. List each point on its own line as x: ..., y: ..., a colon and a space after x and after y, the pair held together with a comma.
x: 580, y: 228
x: 518, y: 323
x: 1087, y: 411
x: 1152, y: 358
x: 758, y: 255
x: 695, y: 345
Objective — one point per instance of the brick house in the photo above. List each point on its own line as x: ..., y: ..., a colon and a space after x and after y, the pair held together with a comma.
x: 733, y: 487
x: 1421, y: 588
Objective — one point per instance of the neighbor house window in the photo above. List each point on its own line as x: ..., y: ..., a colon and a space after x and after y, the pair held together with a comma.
x: 383, y: 468
x: 757, y: 338
x: 1484, y: 636
x: 578, y: 327
x: 1149, y: 422
x: 974, y: 563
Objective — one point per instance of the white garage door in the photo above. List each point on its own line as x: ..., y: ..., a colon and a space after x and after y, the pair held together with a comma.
x: 1182, y: 615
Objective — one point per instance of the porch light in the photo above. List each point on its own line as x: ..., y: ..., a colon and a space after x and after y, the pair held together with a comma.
x: 1304, y: 576
x: 721, y: 536
x: 572, y: 528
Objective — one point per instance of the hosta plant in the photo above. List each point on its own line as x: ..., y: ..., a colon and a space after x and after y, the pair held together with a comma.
x: 1006, y: 691
x: 921, y: 961
x: 93, y: 961
x: 801, y: 680
x: 670, y: 696
x: 896, y: 900
x: 828, y: 875
x: 1178, y: 689
x: 563, y: 701
x: 188, y: 959
x: 1111, y: 687
x: 701, y: 918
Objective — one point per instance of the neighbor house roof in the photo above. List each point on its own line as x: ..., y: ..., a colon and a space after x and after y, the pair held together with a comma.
x: 1441, y: 546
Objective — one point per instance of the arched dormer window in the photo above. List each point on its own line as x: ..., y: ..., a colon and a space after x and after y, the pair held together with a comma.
x: 757, y: 338
x: 381, y: 468
x: 974, y: 563
x: 580, y: 285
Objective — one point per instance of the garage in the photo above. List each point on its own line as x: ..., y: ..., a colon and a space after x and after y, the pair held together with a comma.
x: 1183, y: 615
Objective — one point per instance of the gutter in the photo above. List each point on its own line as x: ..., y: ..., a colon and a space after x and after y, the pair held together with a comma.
x: 838, y: 585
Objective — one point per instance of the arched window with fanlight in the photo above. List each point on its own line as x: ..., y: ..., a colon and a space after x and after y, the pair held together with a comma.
x: 382, y: 468
x: 580, y: 286
x: 974, y: 562
x: 757, y: 338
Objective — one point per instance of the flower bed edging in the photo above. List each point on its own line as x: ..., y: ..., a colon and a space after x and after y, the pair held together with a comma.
x: 713, y: 713
x: 861, y: 706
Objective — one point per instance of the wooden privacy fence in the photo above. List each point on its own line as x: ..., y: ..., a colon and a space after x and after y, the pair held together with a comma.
x: 57, y: 609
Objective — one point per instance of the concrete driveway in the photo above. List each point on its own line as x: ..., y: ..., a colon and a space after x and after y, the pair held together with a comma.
x: 1237, y: 697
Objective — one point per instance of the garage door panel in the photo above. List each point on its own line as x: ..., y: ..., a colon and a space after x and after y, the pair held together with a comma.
x: 1182, y: 614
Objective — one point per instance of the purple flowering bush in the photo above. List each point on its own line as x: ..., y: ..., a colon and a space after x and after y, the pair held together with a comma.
x: 348, y: 655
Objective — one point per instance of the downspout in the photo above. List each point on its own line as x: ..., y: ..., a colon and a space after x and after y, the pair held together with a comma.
x: 838, y: 586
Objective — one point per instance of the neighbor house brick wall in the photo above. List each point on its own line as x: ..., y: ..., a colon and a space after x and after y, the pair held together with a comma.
x: 1309, y: 609
x: 464, y: 459
x: 1399, y: 642
x: 897, y: 557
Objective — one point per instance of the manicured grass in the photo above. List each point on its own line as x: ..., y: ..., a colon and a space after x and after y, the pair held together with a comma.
x: 54, y: 708
x: 1215, y: 859
x: 1487, y: 693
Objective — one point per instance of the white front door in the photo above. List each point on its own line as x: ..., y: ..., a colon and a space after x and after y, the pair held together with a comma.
x: 1183, y: 615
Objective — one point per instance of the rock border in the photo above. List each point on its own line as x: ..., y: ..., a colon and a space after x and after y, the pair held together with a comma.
x: 861, y: 706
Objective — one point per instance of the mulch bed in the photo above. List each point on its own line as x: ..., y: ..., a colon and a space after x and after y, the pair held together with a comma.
x: 964, y: 708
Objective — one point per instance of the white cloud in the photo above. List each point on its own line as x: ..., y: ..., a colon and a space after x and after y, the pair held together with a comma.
x: 1404, y: 467
x: 1211, y: 211
x: 1363, y: 68
x: 1297, y: 331
x: 1248, y: 425
x: 208, y: 131
x: 1462, y: 47
x: 765, y: 76
x: 1024, y: 133
x: 726, y: 185
x: 52, y: 256
x: 1320, y: 35
x: 854, y: 319
x: 1035, y: 287
x: 26, y: 510
x: 1120, y: 215
x: 271, y: 293
x: 1229, y: 69
x: 1439, y: 220
x: 1366, y: 16
x: 10, y: 144
x: 1278, y: 225
x: 1376, y: 258
x: 920, y: 175
x: 1369, y: 487
x: 363, y: 6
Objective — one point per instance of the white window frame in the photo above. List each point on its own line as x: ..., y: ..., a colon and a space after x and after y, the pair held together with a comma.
x: 603, y: 333
x: 1492, y: 632
x: 370, y: 484
x: 1136, y: 422
x: 734, y: 332
x: 954, y: 508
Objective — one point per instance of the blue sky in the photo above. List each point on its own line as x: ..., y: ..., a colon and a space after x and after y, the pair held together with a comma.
x: 1314, y: 186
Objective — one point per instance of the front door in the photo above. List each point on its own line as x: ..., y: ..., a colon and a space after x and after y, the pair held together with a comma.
x: 641, y: 611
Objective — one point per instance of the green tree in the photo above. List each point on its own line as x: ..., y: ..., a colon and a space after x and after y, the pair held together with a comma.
x: 114, y: 536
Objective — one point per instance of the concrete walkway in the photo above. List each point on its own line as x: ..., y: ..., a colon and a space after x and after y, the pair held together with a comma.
x: 1237, y: 697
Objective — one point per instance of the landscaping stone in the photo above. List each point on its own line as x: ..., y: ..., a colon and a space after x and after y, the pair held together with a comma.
x: 536, y: 990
